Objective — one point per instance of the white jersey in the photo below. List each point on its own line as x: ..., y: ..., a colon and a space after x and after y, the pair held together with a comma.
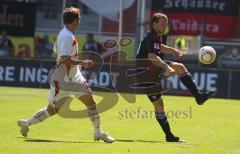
x: 67, y: 45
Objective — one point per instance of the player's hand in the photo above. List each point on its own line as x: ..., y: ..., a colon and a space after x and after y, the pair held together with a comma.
x: 177, y: 53
x: 169, y: 71
x: 87, y: 63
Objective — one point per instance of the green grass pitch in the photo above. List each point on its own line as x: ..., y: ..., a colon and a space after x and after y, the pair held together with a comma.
x: 211, y: 128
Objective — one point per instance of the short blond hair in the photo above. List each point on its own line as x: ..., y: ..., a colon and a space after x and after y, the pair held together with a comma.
x: 157, y: 16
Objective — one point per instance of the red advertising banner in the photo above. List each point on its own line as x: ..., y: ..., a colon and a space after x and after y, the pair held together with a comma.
x: 216, y: 19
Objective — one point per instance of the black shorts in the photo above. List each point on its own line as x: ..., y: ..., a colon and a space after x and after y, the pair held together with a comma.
x: 155, y: 97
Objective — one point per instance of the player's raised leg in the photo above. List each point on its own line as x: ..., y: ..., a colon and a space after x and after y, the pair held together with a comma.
x: 188, y: 81
x: 161, y: 117
x: 98, y: 134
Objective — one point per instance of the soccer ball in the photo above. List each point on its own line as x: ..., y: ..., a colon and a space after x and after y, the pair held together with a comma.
x: 207, y: 55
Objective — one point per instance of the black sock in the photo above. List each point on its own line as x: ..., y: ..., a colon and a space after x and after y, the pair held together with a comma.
x: 162, y: 120
x: 188, y: 81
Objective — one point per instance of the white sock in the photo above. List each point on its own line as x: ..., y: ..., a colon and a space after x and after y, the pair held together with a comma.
x: 39, y: 116
x: 95, y: 118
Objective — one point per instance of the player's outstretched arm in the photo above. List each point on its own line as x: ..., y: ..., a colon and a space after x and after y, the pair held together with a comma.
x: 170, y: 50
x: 68, y: 60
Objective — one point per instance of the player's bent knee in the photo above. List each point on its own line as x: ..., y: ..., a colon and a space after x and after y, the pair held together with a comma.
x: 57, y: 104
x: 179, y: 68
x: 51, y: 110
x: 182, y: 70
x: 182, y: 67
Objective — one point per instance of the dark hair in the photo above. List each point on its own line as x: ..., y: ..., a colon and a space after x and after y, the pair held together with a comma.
x: 70, y: 14
x: 157, y: 16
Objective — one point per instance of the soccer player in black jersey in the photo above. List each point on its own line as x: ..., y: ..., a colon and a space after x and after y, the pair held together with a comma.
x: 150, y: 48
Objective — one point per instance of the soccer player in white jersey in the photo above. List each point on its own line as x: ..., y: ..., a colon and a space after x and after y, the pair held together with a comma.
x: 66, y: 79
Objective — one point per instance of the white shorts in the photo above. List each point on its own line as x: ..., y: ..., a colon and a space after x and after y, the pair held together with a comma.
x: 54, y: 95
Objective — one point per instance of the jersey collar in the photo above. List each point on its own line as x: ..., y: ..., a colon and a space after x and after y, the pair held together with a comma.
x: 68, y: 30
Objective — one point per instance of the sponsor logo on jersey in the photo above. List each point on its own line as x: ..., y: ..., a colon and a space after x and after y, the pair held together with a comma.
x: 156, y: 46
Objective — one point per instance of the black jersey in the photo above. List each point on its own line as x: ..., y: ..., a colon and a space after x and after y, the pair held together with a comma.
x: 151, y: 43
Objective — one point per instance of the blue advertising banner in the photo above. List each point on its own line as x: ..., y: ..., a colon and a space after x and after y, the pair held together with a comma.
x: 34, y: 73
